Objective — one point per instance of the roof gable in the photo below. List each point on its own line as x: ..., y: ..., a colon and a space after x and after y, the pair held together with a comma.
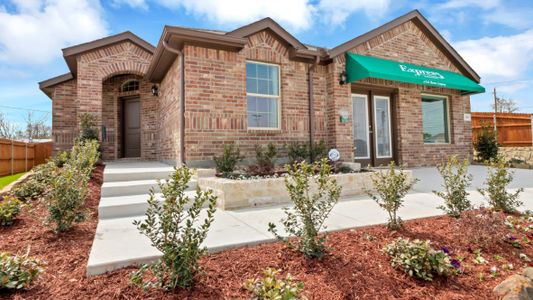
x: 267, y: 24
x: 417, y: 18
x: 71, y: 53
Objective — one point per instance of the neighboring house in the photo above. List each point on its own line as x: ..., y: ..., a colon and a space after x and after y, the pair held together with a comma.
x: 399, y: 92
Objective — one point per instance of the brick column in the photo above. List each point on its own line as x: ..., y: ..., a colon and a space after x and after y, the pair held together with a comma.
x: 339, y: 134
x: 89, y: 98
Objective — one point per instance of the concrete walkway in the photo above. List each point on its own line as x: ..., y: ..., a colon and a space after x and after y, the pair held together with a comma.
x: 117, y: 242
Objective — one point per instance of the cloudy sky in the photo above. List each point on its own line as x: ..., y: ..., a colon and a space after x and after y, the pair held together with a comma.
x: 494, y: 36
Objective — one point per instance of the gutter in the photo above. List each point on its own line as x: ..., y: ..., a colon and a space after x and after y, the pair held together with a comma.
x: 182, y: 99
x: 310, y: 72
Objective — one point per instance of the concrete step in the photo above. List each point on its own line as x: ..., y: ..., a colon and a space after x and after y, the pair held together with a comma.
x: 126, y: 171
x: 134, y: 187
x: 128, y: 206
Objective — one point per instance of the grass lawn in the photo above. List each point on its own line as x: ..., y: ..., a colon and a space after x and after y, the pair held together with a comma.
x: 4, y: 181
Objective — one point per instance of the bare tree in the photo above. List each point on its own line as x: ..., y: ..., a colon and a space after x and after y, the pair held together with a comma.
x: 505, y: 105
x: 8, y: 129
x: 36, y: 128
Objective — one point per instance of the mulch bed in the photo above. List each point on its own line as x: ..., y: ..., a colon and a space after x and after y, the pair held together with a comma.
x: 355, y: 267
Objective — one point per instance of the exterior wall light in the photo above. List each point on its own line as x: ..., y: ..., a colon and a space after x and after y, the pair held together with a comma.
x: 155, y: 90
x: 342, y: 78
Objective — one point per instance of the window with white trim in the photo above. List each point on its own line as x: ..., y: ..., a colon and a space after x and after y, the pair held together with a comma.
x: 130, y: 86
x: 262, y: 94
x: 435, y: 120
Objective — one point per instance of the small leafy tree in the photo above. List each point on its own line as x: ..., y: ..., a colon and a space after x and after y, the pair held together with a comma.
x: 273, y: 288
x: 297, y: 152
x: 486, y: 144
x: 69, y: 186
x: 226, y: 163
x: 313, y: 196
x: 88, y: 129
x: 265, y: 158
x: 456, y: 180
x: 391, y: 187
x: 175, y: 231
x: 498, y: 179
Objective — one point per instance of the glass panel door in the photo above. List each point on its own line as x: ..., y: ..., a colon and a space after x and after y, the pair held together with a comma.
x: 382, y: 125
x: 360, y: 126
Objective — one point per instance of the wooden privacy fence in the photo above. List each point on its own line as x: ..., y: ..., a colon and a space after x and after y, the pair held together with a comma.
x: 16, y: 157
x: 513, y: 129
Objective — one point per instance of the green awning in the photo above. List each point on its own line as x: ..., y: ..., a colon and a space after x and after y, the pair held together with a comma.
x: 359, y: 67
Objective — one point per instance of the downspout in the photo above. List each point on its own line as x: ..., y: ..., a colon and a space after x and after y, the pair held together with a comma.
x: 310, y: 71
x: 182, y: 99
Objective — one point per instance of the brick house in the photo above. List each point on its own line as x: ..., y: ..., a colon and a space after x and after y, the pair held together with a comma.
x: 399, y: 92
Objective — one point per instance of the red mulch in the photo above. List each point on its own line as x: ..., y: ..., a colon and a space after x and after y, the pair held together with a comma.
x: 355, y: 267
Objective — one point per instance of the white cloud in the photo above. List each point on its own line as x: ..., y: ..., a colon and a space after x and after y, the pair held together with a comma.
x: 484, y: 4
x: 511, y: 88
x: 519, y: 18
x: 501, y: 57
x: 296, y: 14
x: 335, y: 12
x: 131, y: 3
x: 36, y: 30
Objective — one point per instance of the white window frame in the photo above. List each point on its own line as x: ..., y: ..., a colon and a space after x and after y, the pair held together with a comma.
x: 375, y: 127
x: 278, y: 97
x: 367, y: 126
x: 127, y: 82
x: 448, y: 119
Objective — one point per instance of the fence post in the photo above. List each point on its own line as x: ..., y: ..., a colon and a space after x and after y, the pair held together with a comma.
x: 12, y: 156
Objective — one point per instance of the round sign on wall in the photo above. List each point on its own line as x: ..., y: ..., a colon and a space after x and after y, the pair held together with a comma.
x: 334, y: 155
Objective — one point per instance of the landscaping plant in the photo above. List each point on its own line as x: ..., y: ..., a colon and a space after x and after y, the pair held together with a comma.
x: 273, y: 288
x: 88, y: 129
x: 456, y: 180
x: 498, y: 179
x: 486, y: 144
x: 418, y: 259
x: 9, y: 210
x: 297, y: 152
x: 313, y: 196
x: 318, y: 151
x: 176, y: 231
x: 265, y: 159
x: 38, y: 183
x: 391, y: 187
x: 226, y: 163
x: 69, y: 187
x: 18, y: 272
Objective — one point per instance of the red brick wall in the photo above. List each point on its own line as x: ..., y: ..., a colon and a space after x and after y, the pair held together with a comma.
x: 216, y: 99
x: 64, y: 110
x: 168, y: 115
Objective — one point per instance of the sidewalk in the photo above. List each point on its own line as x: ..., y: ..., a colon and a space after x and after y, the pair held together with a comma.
x: 236, y: 228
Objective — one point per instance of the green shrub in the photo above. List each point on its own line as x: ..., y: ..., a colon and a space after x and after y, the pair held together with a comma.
x: 498, y: 178
x: 176, y: 231
x: 391, y: 187
x: 265, y: 159
x: 312, y: 205
x: 418, y: 259
x: 456, y: 180
x: 226, y: 163
x: 88, y: 129
x: 318, y: 151
x: 66, y: 198
x: 273, y: 288
x: 69, y: 186
x: 297, y: 152
x: 60, y: 159
x: 29, y: 189
x: 9, y: 210
x: 486, y: 144
x: 18, y: 272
